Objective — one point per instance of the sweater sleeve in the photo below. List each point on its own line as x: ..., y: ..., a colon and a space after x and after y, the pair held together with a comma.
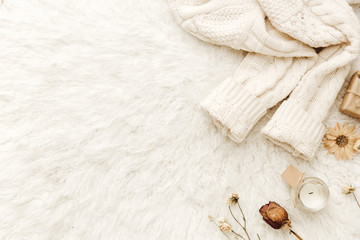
x: 258, y: 84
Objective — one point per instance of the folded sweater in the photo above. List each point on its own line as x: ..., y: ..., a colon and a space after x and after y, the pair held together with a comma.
x: 301, y: 48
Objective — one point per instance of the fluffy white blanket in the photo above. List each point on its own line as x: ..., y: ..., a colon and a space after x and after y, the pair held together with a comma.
x: 102, y: 136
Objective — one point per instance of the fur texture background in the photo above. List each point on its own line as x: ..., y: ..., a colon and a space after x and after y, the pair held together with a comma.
x: 102, y: 135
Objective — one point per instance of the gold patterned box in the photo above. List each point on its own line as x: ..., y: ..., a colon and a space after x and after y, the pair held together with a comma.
x: 351, y: 102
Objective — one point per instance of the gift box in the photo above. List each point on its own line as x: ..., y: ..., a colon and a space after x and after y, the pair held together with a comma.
x: 351, y: 102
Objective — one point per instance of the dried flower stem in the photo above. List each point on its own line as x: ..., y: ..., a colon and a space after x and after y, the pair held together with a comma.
x: 235, y: 217
x: 243, y: 227
x: 237, y: 234
x: 258, y: 236
x: 296, y: 235
x: 242, y: 214
x: 226, y: 235
x: 357, y: 201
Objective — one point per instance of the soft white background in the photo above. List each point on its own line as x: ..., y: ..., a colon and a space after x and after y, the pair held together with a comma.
x: 102, y: 135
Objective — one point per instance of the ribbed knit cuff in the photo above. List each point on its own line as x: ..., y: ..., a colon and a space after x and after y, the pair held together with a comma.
x: 295, y: 130
x: 234, y: 109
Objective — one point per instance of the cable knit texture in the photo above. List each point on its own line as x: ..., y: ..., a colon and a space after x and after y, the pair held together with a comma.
x: 281, y: 37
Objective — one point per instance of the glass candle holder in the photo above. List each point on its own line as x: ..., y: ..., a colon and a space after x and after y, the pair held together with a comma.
x: 312, y: 194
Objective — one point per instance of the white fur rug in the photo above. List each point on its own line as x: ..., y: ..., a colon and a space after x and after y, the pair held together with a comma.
x: 102, y: 136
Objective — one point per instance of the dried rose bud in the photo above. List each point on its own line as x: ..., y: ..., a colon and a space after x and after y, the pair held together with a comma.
x: 275, y: 215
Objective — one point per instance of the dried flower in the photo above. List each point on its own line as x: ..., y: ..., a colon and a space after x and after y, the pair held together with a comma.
x: 340, y: 141
x: 350, y: 189
x: 357, y: 145
x: 232, y: 199
x: 275, y: 215
x: 224, y: 224
x: 347, y: 189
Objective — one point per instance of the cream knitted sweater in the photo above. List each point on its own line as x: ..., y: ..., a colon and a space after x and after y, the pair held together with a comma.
x: 281, y: 37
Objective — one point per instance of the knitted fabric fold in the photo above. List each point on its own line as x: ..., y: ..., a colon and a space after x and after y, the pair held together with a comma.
x: 280, y: 36
x: 294, y: 133
x: 318, y: 88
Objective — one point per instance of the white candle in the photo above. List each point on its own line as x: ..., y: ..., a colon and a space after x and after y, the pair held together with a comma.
x: 313, y: 194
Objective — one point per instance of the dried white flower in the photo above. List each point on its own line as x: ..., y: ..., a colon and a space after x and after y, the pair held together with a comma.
x: 347, y: 189
x: 224, y: 224
x: 232, y: 199
x: 357, y: 145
